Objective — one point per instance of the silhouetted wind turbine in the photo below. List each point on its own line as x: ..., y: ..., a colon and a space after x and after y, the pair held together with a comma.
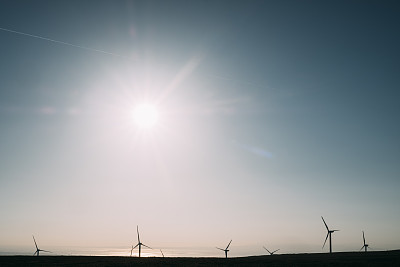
x: 329, y: 234
x: 365, y: 245
x: 37, y: 249
x: 131, y: 251
x: 140, y: 244
x: 272, y: 253
x: 162, y: 253
x: 226, y: 250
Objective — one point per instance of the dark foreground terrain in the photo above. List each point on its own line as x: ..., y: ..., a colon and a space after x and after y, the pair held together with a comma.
x: 379, y: 258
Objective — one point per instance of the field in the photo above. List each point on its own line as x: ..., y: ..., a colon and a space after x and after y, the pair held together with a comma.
x: 379, y: 258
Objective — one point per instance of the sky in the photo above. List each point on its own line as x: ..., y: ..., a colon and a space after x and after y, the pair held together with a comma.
x: 271, y: 114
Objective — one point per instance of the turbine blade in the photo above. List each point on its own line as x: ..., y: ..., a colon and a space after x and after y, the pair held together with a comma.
x: 276, y: 250
x: 137, y: 230
x: 46, y: 251
x: 229, y: 244
x: 220, y: 249
x: 325, y: 240
x: 146, y: 246
x: 35, y: 242
x: 364, y: 238
x: 325, y: 223
x: 135, y: 246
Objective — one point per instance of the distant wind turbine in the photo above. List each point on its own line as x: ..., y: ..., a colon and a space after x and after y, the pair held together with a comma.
x: 162, y: 253
x: 140, y: 244
x: 272, y: 253
x: 37, y: 249
x: 365, y: 245
x: 131, y: 251
x: 329, y: 234
x: 225, y: 250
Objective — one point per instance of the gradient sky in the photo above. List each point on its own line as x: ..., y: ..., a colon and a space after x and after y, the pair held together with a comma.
x: 272, y: 113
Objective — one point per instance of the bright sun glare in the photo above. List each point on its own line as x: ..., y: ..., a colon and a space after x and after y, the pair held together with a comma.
x: 145, y: 116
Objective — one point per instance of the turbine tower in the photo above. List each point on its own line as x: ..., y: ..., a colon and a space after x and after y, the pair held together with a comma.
x: 329, y: 234
x: 37, y: 249
x: 365, y: 245
x: 225, y: 250
x: 139, y: 244
x: 272, y: 253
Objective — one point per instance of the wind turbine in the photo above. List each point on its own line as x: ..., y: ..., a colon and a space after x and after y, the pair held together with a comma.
x: 162, y: 253
x: 131, y: 251
x: 226, y: 250
x: 272, y: 253
x: 37, y: 249
x: 365, y: 245
x: 329, y: 234
x: 140, y: 244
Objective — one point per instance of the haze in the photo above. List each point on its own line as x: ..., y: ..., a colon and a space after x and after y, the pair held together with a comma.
x: 271, y: 114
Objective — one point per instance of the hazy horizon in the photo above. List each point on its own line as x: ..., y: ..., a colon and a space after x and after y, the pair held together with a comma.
x: 262, y: 116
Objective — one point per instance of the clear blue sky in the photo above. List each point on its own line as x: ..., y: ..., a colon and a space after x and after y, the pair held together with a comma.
x: 271, y: 114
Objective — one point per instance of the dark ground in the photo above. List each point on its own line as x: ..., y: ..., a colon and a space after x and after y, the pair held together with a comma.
x: 378, y: 258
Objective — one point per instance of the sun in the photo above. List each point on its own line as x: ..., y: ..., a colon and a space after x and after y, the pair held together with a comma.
x: 145, y: 116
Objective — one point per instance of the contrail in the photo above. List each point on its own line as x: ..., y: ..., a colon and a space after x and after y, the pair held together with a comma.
x: 60, y: 42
